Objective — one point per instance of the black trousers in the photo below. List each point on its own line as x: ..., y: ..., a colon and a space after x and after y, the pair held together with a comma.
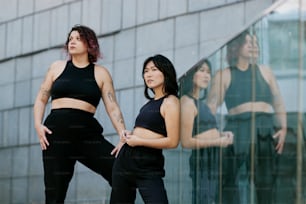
x: 76, y: 136
x: 138, y: 168
x: 205, y: 174
x: 238, y: 159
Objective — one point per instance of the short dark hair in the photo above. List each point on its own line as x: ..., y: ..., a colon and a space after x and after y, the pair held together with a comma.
x: 88, y: 36
x: 166, y: 67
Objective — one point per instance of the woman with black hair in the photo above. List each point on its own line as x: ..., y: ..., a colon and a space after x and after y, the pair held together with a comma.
x: 199, y: 132
x: 70, y: 132
x: 140, y: 163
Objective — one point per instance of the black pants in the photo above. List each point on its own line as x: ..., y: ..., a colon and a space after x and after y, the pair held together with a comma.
x: 76, y: 136
x: 205, y: 174
x: 142, y: 168
x: 238, y: 159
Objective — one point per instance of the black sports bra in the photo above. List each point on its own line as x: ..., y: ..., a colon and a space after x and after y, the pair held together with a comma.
x: 77, y: 83
x: 247, y: 86
x: 149, y: 117
x: 205, y: 120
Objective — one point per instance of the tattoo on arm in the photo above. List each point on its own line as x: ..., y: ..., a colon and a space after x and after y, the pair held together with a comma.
x: 212, y: 98
x: 116, y: 116
x: 110, y: 96
x: 119, y: 118
x: 45, y: 92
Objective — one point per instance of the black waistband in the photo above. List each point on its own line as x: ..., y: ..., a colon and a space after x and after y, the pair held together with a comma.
x: 72, y: 111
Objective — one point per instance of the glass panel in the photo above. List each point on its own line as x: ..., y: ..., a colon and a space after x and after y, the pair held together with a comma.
x: 243, y: 115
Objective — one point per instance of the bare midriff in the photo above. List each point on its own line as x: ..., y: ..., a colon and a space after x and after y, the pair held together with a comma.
x: 72, y: 103
x: 145, y: 133
x: 251, y: 107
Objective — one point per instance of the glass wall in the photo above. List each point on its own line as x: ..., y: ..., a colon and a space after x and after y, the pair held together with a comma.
x: 243, y: 123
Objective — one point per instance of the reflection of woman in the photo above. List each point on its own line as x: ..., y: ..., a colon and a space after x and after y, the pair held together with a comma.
x: 199, y: 132
x: 250, y: 93
x: 70, y: 133
x: 140, y: 163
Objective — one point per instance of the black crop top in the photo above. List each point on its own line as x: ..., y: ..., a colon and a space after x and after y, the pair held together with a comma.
x: 241, y: 89
x: 204, y: 120
x: 77, y: 83
x: 149, y: 117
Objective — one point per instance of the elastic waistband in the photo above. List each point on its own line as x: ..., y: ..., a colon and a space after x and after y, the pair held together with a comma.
x: 248, y: 115
x: 72, y: 111
x: 142, y: 149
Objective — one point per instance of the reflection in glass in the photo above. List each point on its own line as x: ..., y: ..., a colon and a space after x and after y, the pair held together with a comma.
x: 250, y: 93
x: 199, y: 132
x: 257, y: 93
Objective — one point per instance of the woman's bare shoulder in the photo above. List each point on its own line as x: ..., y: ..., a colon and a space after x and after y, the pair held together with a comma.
x: 102, y: 72
x: 265, y: 69
x: 221, y: 73
x: 58, y: 63
x: 223, y: 76
x: 186, y: 100
x: 226, y: 71
x: 267, y: 74
x: 171, y: 100
x: 58, y: 66
x: 101, y: 69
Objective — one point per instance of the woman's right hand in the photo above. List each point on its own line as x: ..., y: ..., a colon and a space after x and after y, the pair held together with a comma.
x: 122, y: 141
x: 41, y: 132
x: 226, y: 138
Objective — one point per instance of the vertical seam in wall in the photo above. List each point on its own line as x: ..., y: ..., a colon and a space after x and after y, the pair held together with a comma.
x: 15, y: 84
x: 199, y: 36
x: 101, y: 16
x: 121, y: 19
x: 28, y: 167
x: 5, y: 37
x: 69, y: 15
x: 135, y: 58
x: 33, y: 27
x: 11, y: 177
x: 17, y: 8
x: 50, y: 26
x: 34, y: 6
x: 81, y: 12
x: 187, y: 5
x: 21, y: 38
x: 30, y: 129
x: 244, y: 12
x: 174, y: 39
x: 158, y: 10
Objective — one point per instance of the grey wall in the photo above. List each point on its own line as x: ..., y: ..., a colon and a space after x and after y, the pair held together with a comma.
x: 32, y: 33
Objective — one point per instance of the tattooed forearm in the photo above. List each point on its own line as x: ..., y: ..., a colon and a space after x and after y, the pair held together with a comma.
x: 45, y: 92
x: 110, y: 96
x: 118, y: 118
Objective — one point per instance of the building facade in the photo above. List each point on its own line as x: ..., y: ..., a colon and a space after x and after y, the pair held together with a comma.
x: 32, y: 34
